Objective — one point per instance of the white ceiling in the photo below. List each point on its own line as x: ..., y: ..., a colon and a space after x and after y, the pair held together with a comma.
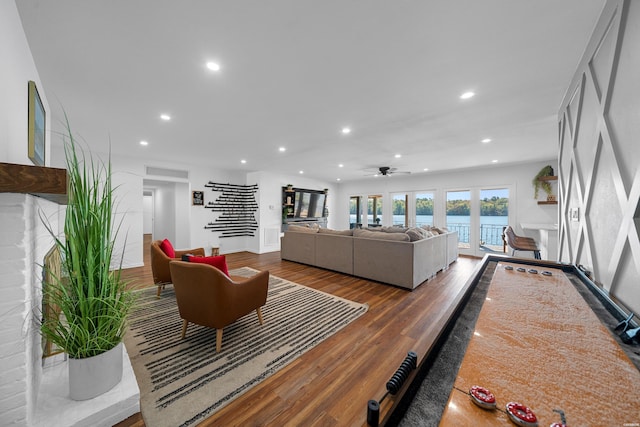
x: 295, y: 72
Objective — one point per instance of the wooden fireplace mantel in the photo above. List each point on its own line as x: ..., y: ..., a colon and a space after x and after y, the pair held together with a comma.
x: 45, y: 182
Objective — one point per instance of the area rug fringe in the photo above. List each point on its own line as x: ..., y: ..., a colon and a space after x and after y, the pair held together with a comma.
x: 182, y: 382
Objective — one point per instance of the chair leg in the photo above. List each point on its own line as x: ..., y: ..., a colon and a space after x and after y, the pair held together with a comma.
x: 259, y: 315
x: 185, y: 322
x: 218, y: 340
x: 160, y: 288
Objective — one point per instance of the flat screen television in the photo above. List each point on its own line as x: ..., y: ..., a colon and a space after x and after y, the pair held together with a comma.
x: 309, y: 204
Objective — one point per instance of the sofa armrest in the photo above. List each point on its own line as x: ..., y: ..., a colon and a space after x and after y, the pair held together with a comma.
x: 386, y: 261
x: 298, y: 247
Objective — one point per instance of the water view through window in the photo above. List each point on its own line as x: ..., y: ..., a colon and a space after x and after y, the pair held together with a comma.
x: 490, y: 214
x: 459, y: 215
x: 494, y: 214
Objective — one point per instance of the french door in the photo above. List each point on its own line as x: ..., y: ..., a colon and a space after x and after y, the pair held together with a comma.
x: 412, y: 209
x: 494, y: 216
x: 478, y: 215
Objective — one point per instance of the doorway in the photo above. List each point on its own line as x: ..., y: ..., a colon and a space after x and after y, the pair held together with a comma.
x: 478, y: 215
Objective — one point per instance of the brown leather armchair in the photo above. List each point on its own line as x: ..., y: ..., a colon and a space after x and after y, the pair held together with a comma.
x: 160, y: 263
x: 208, y: 297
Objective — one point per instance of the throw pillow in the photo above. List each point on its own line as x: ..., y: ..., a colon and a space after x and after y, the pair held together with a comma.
x: 167, y: 248
x: 416, y: 233
x: 219, y: 262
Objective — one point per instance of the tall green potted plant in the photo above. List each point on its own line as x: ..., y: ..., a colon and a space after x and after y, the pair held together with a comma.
x: 93, y: 300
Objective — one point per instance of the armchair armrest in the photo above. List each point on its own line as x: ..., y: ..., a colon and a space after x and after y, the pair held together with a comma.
x: 251, y: 291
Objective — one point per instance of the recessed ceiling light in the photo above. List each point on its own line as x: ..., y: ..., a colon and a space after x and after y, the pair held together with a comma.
x: 213, y: 66
x: 337, y: 179
x: 467, y: 95
x: 346, y: 130
x: 243, y: 161
x: 397, y: 156
x: 144, y: 143
x: 165, y: 117
x: 486, y: 140
x: 425, y: 169
x: 301, y: 172
x: 282, y: 149
x: 340, y: 165
x: 494, y: 161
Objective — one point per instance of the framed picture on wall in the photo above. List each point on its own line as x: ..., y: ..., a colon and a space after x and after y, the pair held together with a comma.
x: 197, y: 198
x: 37, y: 120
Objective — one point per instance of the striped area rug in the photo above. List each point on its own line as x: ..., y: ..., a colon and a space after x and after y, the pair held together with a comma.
x: 183, y: 382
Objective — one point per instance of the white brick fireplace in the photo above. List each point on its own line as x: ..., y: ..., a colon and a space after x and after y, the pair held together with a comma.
x: 23, y: 243
x: 29, y: 395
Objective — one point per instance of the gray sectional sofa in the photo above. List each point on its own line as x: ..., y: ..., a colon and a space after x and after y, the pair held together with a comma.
x: 377, y: 255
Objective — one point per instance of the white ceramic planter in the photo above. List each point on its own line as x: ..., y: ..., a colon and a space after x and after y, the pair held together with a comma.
x: 92, y: 376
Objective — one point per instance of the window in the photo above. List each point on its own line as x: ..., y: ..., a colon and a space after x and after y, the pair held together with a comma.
x: 355, y: 213
x: 494, y: 215
x: 424, y: 208
x: 400, y: 210
x: 459, y: 216
x: 374, y: 210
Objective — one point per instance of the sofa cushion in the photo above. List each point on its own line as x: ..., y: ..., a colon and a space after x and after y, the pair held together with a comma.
x: 302, y: 229
x: 219, y: 262
x: 337, y: 232
x: 167, y: 248
x: 394, y: 229
x: 416, y: 233
x: 398, y: 237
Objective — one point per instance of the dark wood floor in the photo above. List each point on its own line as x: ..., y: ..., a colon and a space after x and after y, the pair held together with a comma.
x: 331, y: 384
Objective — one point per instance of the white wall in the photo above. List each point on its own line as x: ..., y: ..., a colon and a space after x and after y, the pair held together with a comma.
x: 192, y: 219
x: 523, y: 207
x: 201, y: 216
x: 17, y: 69
x: 147, y: 214
x: 24, y: 241
x: 600, y: 156
x: 270, y: 205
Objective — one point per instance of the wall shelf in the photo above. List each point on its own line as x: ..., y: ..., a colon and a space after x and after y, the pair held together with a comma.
x: 293, y: 200
x: 48, y: 183
x: 548, y: 178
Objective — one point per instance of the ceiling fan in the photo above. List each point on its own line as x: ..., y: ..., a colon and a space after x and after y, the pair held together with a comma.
x: 386, y: 171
